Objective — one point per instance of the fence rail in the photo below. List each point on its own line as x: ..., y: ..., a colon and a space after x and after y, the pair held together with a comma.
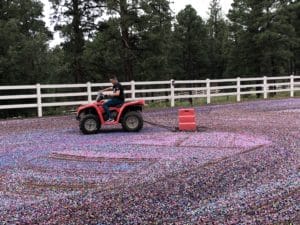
x: 47, y: 95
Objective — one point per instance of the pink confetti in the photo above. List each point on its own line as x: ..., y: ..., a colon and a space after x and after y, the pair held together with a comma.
x: 242, y: 169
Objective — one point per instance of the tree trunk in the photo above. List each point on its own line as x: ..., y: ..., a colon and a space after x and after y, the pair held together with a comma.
x: 78, y: 43
x: 126, y: 56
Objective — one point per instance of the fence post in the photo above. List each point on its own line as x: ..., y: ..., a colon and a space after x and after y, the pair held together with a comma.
x: 265, y: 87
x: 238, y: 83
x: 208, y: 100
x: 133, y: 89
x: 292, y: 85
x: 39, y: 100
x: 172, y: 82
x: 89, y: 91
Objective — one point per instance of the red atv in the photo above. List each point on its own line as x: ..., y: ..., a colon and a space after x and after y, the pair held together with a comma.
x: 92, y: 116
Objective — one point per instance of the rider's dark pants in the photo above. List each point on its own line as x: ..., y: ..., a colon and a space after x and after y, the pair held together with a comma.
x: 111, y: 103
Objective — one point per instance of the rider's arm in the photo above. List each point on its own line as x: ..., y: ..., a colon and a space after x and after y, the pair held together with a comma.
x: 117, y: 93
x: 106, y: 89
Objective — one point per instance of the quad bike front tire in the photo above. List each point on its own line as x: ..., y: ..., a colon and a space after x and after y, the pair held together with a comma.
x: 132, y: 121
x: 89, y: 124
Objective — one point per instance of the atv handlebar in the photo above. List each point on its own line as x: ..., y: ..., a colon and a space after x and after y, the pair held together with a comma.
x: 101, y: 97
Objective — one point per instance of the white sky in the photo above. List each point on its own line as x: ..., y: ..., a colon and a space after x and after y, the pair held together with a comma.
x: 200, y: 5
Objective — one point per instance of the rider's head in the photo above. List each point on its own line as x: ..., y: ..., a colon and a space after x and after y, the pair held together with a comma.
x: 113, y: 79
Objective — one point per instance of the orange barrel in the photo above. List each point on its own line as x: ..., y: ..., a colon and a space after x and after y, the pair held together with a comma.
x: 187, y: 120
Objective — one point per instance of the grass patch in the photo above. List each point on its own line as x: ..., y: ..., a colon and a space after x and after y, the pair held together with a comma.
x: 219, y: 100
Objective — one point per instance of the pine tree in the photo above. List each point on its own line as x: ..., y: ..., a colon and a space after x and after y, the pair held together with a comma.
x: 190, y: 44
x: 154, y: 33
x: 276, y: 38
x: 135, y: 36
x: 245, y: 54
x: 218, y: 40
x: 262, y: 37
x: 133, y: 18
x: 23, y: 42
x: 293, y: 11
x: 102, y: 55
x: 75, y: 19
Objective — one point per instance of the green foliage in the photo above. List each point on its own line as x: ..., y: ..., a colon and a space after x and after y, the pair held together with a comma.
x: 190, y: 48
x: 262, y: 37
x: 142, y: 40
x: 133, y: 42
x: 23, y: 42
x: 102, y: 55
x: 293, y: 11
x: 152, y: 53
x: 75, y: 19
x: 218, y: 40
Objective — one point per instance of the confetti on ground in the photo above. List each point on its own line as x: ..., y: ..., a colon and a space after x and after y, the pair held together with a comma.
x: 243, y: 169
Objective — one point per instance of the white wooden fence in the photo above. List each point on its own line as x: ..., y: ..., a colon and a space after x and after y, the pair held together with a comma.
x: 43, y: 96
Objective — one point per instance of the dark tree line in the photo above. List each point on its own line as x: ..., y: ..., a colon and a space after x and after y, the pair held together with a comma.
x: 143, y: 40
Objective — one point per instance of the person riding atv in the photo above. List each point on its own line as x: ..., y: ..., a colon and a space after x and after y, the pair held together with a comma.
x: 117, y: 97
x: 111, y: 112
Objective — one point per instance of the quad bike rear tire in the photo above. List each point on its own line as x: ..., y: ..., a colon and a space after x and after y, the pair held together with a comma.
x: 89, y: 124
x: 132, y: 121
